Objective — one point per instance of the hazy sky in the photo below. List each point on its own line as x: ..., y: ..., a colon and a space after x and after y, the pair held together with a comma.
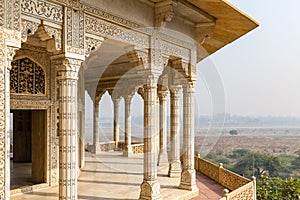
x: 260, y: 71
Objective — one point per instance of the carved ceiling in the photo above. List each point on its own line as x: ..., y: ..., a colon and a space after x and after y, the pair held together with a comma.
x: 214, y: 23
x: 229, y: 22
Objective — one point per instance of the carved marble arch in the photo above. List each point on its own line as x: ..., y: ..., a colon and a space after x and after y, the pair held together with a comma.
x: 50, y: 37
x: 177, y: 71
x: 27, y: 77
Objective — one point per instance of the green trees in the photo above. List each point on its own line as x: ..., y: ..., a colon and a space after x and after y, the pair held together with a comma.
x: 262, y: 166
x: 278, y: 189
x: 257, y: 164
x: 233, y: 132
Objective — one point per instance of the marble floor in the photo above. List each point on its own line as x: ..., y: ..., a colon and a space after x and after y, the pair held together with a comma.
x: 20, y: 175
x: 109, y: 176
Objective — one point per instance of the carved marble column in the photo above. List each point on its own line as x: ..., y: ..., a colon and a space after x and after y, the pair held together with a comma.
x: 6, y: 57
x: 96, y: 136
x: 116, y: 102
x: 188, y: 175
x: 175, y: 164
x: 150, y: 188
x: 163, y: 155
x: 68, y: 165
x: 128, y: 149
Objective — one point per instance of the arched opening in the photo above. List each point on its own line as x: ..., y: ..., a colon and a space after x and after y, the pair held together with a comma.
x: 106, y: 118
x: 29, y: 127
x: 137, y: 119
x: 33, y: 113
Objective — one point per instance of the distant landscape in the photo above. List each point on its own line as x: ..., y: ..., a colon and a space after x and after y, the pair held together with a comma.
x: 250, y: 146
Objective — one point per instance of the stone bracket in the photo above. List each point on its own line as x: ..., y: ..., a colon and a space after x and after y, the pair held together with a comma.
x: 164, y: 13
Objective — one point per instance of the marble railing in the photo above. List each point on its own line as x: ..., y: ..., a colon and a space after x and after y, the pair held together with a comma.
x: 137, y: 148
x: 107, y: 146
x: 103, y: 146
x: 237, y: 187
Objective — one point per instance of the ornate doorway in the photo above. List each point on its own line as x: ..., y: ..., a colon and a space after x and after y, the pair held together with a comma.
x: 28, y: 158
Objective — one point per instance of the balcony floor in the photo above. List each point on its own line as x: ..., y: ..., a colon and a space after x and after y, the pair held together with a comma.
x: 109, y: 175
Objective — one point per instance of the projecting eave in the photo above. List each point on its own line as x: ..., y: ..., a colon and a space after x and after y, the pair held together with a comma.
x: 230, y: 23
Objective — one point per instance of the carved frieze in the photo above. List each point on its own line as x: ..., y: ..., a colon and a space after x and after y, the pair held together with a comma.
x: 175, y: 50
x: 102, y: 28
x: 29, y: 104
x: 188, y: 43
x: 43, y: 9
x: 109, y: 17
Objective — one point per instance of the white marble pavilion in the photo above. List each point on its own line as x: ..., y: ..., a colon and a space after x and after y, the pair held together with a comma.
x: 52, y: 51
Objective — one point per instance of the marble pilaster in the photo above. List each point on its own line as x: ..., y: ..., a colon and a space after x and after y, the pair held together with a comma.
x: 116, y: 102
x: 6, y: 57
x: 68, y: 142
x: 188, y: 175
x: 96, y: 146
x: 128, y: 149
x: 10, y: 41
x: 175, y: 164
x: 150, y: 188
x: 163, y: 155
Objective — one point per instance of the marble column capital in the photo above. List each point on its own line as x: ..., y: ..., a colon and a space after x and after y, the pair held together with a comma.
x: 189, y: 87
x: 175, y: 91
x: 67, y: 68
x: 151, y: 80
x: 162, y: 95
x: 10, y: 53
x: 128, y: 98
x: 116, y: 100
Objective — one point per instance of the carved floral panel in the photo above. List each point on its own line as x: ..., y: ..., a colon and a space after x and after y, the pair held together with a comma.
x: 27, y: 77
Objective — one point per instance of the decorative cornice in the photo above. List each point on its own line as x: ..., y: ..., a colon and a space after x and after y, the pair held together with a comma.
x: 96, y: 12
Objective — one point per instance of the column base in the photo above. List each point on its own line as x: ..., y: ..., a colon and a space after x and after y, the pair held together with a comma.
x: 188, y: 180
x: 116, y: 146
x: 150, y: 190
x: 162, y: 159
x: 174, y: 169
x: 127, y: 152
x: 95, y: 149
